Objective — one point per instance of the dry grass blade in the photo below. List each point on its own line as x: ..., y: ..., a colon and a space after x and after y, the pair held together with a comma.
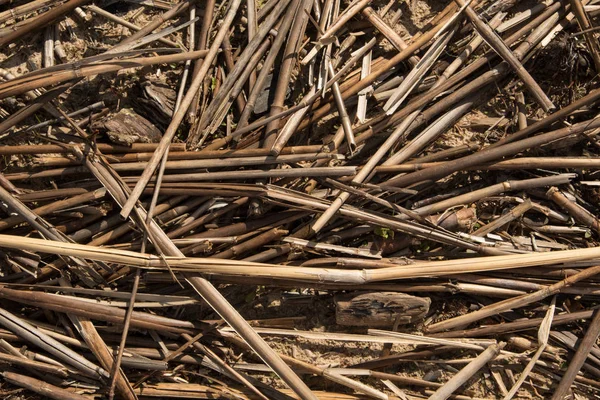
x: 543, y: 335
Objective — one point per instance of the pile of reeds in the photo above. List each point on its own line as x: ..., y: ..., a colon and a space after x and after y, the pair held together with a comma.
x: 415, y: 178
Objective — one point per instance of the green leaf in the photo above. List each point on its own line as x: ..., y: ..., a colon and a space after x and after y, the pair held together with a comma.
x: 385, y: 233
x: 250, y: 297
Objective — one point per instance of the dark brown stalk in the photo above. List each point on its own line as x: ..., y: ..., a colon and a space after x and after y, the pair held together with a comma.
x: 55, y: 206
x: 40, y: 387
x: 32, y: 108
x: 378, y: 123
x: 33, y: 365
x: 515, y: 326
x: 217, y: 360
x: 201, y: 44
x: 580, y: 214
x: 236, y: 251
x: 585, y: 26
x: 116, y: 375
x: 582, y: 353
x: 220, y: 105
x: 239, y: 75
x: 389, y: 33
x: 514, y: 303
x: 491, y: 154
x: 209, y: 293
x: 268, y: 63
x: 290, y: 57
x: 240, y: 103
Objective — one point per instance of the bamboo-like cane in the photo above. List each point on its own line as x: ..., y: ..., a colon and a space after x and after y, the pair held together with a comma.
x: 283, y: 80
x: 40, y: 339
x: 208, y: 292
x: 335, y: 26
x: 419, y: 71
x: 543, y: 22
x: 49, y: 47
x: 359, y: 178
x: 289, y: 128
x: 505, y: 219
x: 345, y: 119
x: 389, y: 33
x: 352, y: 277
x: 21, y: 10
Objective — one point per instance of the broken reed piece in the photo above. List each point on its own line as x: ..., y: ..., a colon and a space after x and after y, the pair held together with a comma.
x: 579, y: 213
x: 583, y: 351
x: 500, y: 47
x: 233, y: 84
x: 52, y: 346
x: 467, y: 372
x: 514, y: 303
x: 511, y: 215
x: 201, y: 44
x: 585, y: 26
x: 285, y: 71
x: 345, y: 119
x: 210, y: 218
x: 491, y: 154
x: 351, y: 11
x: 521, y: 110
x: 154, y: 24
x: 40, y: 387
x: 125, y: 23
x: 42, y: 20
x: 543, y: 24
x: 268, y: 62
x: 23, y: 9
x: 42, y: 79
x: 48, y: 59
